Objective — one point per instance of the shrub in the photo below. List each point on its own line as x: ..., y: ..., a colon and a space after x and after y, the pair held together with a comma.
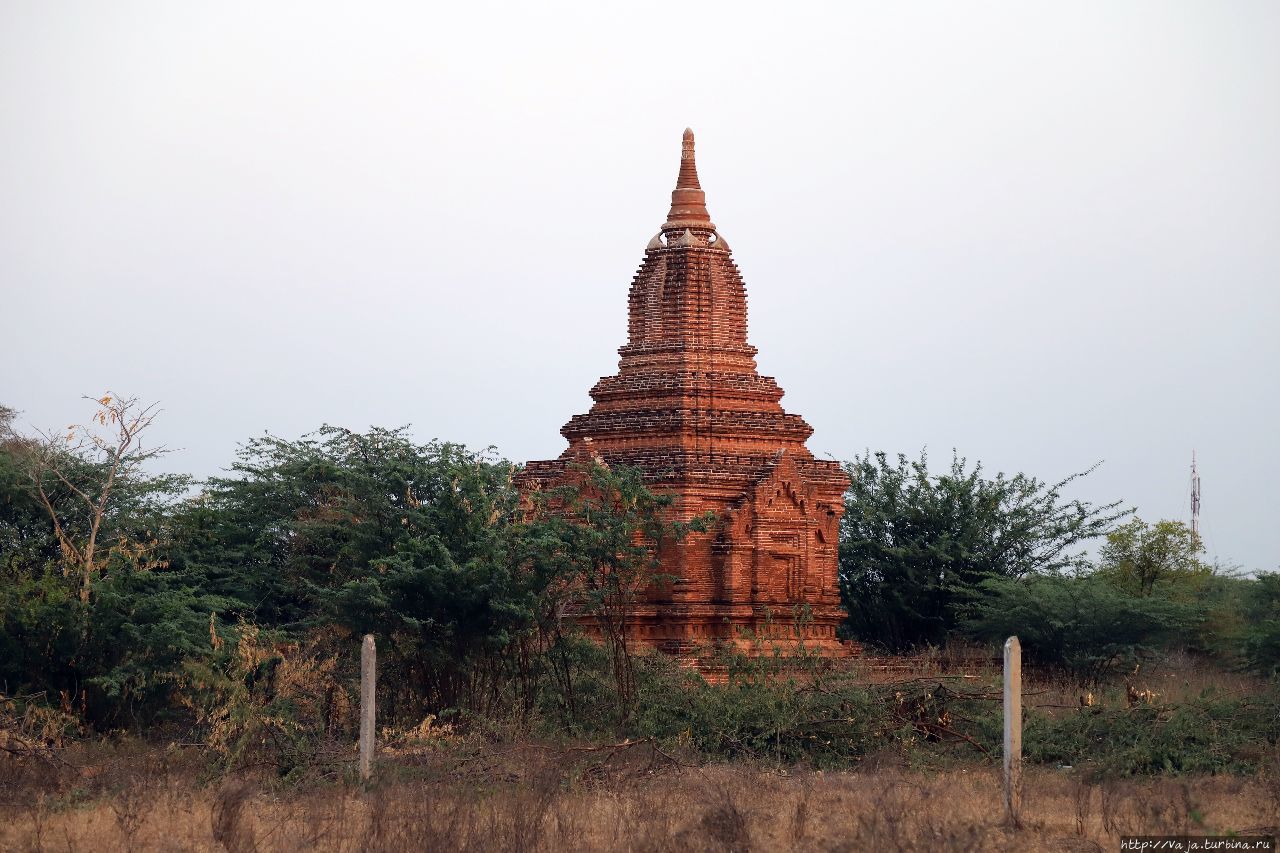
x: 1210, y: 734
x: 767, y: 708
x: 914, y: 546
x: 1081, y: 624
x: 1262, y: 616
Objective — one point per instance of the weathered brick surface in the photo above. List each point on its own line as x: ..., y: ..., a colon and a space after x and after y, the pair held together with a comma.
x: 689, y: 408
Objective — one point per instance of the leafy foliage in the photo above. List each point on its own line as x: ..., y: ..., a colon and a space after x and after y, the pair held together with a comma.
x: 112, y: 655
x: 766, y: 709
x: 1146, y: 559
x: 426, y: 546
x: 377, y: 534
x: 1081, y: 624
x: 1262, y: 615
x: 603, y: 532
x: 1209, y: 734
x: 915, y: 548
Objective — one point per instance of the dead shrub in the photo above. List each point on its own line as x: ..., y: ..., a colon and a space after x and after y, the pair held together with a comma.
x: 32, y: 737
x: 1082, y: 797
x: 519, y: 819
x: 131, y: 804
x: 228, y: 822
x: 799, y: 828
x: 1269, y: 780
x: 1110, y: 799
x: 725, y: 825
x: 286, y: 704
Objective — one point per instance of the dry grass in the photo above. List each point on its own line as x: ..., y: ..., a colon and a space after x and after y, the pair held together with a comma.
x: 1169, y: 680
x: 540, y: 799
x: 446, y: 792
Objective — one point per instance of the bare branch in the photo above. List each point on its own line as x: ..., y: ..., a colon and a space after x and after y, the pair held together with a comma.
x: 115, y: 448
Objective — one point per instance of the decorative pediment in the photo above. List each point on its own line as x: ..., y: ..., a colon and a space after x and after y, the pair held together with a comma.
x: 783, y: 488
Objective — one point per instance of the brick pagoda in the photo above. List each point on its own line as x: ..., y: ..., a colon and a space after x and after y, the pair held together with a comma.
x: 690, y: 410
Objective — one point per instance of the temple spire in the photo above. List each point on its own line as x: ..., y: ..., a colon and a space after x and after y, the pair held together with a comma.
x: 688, y: 201
x: 688, y: 179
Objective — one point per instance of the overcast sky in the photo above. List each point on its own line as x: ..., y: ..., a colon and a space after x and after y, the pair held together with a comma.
x: 1043, y: 234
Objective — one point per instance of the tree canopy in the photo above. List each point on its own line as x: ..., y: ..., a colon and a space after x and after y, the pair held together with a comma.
x: 916, y: 547
x: 1144, y: 559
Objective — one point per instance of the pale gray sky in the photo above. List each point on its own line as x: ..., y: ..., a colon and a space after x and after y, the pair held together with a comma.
x: 1042, y: 233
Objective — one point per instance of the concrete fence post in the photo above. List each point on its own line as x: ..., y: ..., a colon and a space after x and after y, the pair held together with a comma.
x: 1012, y: 729
x: 368, y: 690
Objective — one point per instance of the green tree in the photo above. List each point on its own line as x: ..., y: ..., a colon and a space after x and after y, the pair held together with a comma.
x: 379, y: 534
x: 1262, y: 616
x: 602, y: 533
x: 26, y: 532
x: 916, y: 547
x: 1145, y: 559
x: 92, y: 616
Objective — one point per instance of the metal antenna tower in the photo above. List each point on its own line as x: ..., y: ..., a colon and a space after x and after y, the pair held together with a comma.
x: 1195, y: 499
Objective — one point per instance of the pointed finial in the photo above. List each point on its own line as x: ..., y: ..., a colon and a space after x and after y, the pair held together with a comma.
x: 688, y: 179
x: 688, y: 201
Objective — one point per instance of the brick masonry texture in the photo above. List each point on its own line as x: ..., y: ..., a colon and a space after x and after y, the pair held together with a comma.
x: 689, y: 408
